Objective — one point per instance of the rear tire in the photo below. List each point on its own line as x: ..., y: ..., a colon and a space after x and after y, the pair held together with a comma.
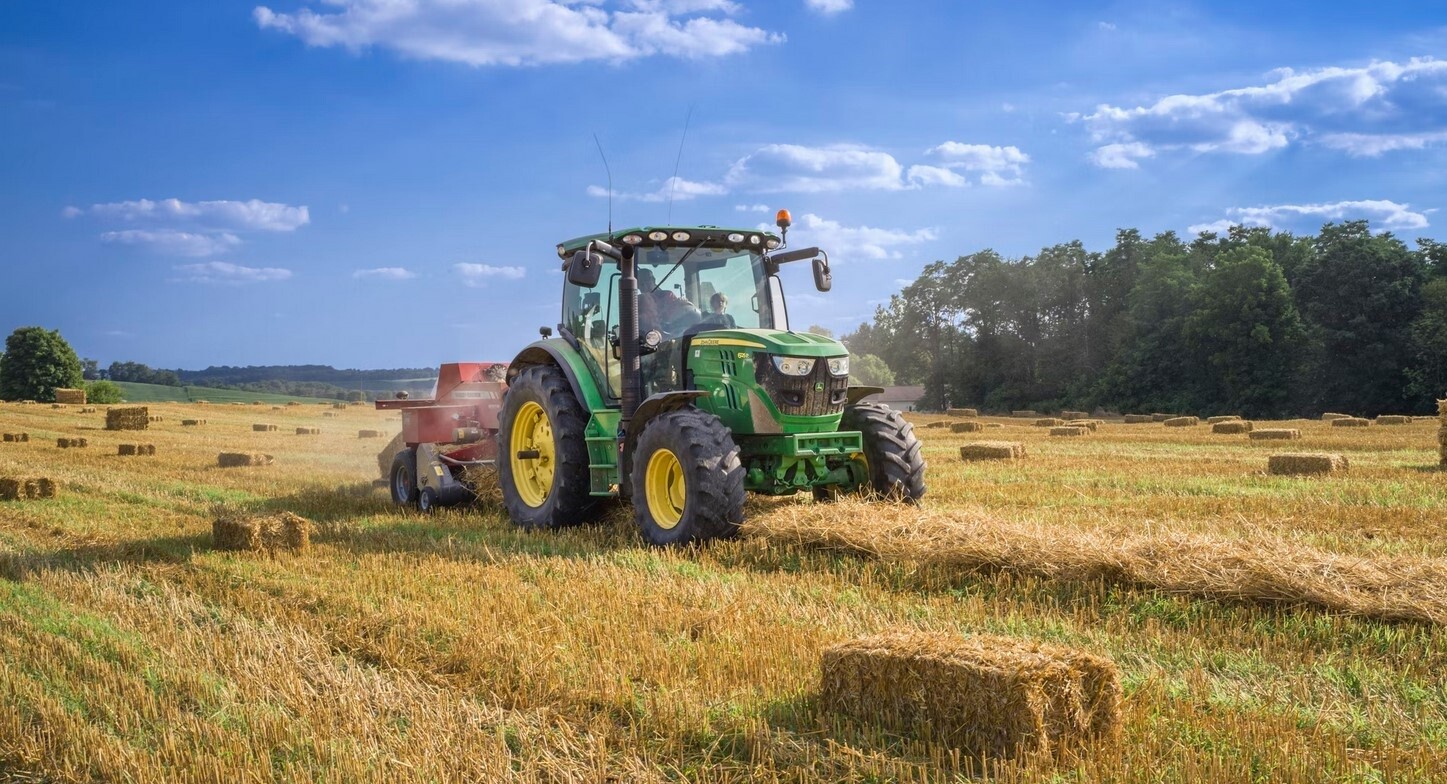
x: 688, y: 483
x: 403, y: 478
x: 549, y: 490
x: 891, y: 450
x: 427, y: 500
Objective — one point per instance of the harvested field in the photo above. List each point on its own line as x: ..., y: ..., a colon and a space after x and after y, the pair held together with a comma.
x: 1306, y: 463
x: 1275, y: 434
x: 1185, y: 421
x: 1247, y: 615
x: 992, y: 450
x: 1231, y: 427
x: 1076, y: 430
x: 988, y: 696
x: 966, y: 427
x: 938, y: 423
x: 1350, y: 422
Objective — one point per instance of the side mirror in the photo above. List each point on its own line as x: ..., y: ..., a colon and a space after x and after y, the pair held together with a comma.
x: 584, y: 269
x: 823, y: 278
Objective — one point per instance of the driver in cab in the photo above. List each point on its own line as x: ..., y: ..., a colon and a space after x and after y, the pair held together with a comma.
x: 660, y: 308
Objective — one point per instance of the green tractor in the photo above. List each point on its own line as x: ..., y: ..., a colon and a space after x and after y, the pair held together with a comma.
x: 675, y: 382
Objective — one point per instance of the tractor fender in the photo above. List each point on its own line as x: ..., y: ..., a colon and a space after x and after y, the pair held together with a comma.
x: 660, y: 403
x: 558, y: 352
x: 856, y: 394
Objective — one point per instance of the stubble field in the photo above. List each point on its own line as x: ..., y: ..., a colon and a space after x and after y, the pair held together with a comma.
x: 1267, y: 628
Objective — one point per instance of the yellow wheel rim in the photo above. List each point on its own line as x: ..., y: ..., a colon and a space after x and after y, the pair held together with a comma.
x: 665, y: 488
x: 533, y: 476
x: 863, y: 461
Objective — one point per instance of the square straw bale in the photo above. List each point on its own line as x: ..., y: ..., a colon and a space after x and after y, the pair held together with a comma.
x: 1329, y: 416
x: 1049, y: 422
x: 125, y: 449
x: 1069, y: 431
x: 242, y: 459
x: 57, y: 405
x: 1351, y: 422
x: 1067, y: 415
x: 963, y: 412
x: 993, y: 424
x: 308, y: 431
x: 87, y: 409
x: 1092, y: 424
x: 1232, y: 427
x: 10, y: 489
x: 938, y: 423
x: 339, y: 405
x: 1224, y: 418
x: 1393, y: 419
x: 192, y: 422
x: 1275, y: 434
x: 262, y: 533
x: 966, y: 427
x: 992, y: 450
x: 1024, y: 413
x: 989, y: 696
x: 1161, y: 417
x: 1306, y: 463
x: 134, y: 418
x: 263, y: 428
x: 73, y: 396
x: 369, y: 434
x: 1185, y: 421
x: 1139, y: 419
x: 46, y: 487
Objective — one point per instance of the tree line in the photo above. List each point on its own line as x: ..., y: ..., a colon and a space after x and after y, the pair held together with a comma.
x: 1257, y: 322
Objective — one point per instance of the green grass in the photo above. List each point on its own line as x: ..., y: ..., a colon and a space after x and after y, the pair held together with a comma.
x: 156, y: 393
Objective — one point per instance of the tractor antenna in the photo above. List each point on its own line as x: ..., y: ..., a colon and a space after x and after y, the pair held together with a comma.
x: 610, y: 183
x: 673, y: 183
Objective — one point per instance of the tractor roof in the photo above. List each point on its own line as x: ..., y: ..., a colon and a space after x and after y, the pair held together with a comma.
x: 698, y: 235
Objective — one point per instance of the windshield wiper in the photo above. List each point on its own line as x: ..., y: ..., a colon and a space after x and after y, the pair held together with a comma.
x: 684, y: 258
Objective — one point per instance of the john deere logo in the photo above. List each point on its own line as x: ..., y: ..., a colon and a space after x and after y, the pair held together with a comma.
x: 818, y: 386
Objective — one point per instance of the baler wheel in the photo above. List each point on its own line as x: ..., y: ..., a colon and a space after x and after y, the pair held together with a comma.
x: 688, y: 481
x: 403, y: 478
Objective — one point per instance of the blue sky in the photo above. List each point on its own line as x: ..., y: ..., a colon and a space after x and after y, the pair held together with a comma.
x: 379, y: 183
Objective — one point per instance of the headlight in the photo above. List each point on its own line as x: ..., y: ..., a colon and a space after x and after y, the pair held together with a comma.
x: 839, y: 366
x: 794, y: 366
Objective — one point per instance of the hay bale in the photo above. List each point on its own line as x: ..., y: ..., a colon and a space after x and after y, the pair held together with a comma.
x: 1351, y: 422
x: 125, y: 449
x: 1092, y: 424
x: 16, y: 438
x: 1024, y: 414
x: 992, y: 450
x: 989, y: 696
x: 71, y: 443
x: 963, y: 412
x: 134, y: 418
x: 1393, y: 419
x: 993, y: 424
x: 263, y: 428
x: 1185, y: 421
x: 1070, y: 431
x: 263, y: 533
x: 329, y: 414
x: 339, y: 405
x: 1329, y: 416
x: 12, y: 489
x: 87, y: 410
x: 387, y: 453
x: 1275, y: 434
x: 369, y: 434
x: 1215, y: 420
x: 1162, y: 417
x: 308, y: 431
x: 1068, y: 415
x: 57, y: 405
x: 192, y: 422
x: 242, y: 459
x: 1139, y: 419
x: 1049, y: 422
x: 136, y: 449
x: 72, y: 396
x: 292, y: 403
x: 938, y: 423
x: 1305, y: 463
x: 966, y: 427
x: 1232, y: 427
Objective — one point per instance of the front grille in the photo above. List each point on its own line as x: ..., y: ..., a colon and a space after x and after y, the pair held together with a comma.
x: 817, y: 394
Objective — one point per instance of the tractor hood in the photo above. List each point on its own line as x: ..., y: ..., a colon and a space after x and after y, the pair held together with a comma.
x: 774, y: 341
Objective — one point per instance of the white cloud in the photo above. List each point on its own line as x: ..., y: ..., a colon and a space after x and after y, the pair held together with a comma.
x: 1367, y: 111
x: 922, y: 175
x: 1108, y: 27
x: 1121, y: 156
x: 997, y: 165
x: 681, y: 190
x: 224, y: 272
x: 385, y: 273
x: 829, y: 6
x: 174, y: 243
x: 477, y: 275
x: 251, y: 215
x: 854, y: 242
x: 72, y: 212
x: 796, y: 168
x: 523, y: 32
x: 751, y: 208
x: 1385, y: 215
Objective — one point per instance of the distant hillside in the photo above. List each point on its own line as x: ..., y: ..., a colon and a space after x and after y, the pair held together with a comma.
x: 156, y: 393
x: 319, y: 374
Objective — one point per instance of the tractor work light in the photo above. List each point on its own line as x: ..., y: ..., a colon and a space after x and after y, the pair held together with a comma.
x: 794, y: 366
x: 771, y: 243
x: 562, y: 252
x: 682, y: 236
x: 839, y: 366
x: 736, y: 237
x: 632, y: 239
x: 658, y: 236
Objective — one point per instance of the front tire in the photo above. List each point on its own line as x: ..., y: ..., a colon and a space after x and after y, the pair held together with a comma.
x: 403, y: 478
x: 892, y: 456
x: 688, y: 483
x: 542, y: 457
